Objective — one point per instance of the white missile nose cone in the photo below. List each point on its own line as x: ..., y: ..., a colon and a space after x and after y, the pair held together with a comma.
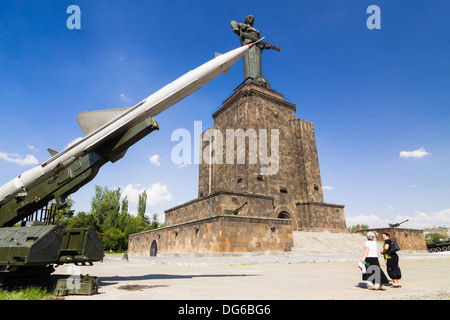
x: 253, y: 43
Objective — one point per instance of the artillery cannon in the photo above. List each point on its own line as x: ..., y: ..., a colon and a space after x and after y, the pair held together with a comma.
x: 395, y: 225
x: 235, y: 211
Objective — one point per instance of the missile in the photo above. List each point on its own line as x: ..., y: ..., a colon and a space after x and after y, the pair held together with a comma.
x: 101, y: 126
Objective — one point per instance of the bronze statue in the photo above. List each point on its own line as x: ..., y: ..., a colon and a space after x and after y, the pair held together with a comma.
x: 252, y: 60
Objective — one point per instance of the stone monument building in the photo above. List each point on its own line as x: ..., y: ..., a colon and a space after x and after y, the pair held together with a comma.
x: 294, y: 183
x: 271, y: 204
x: 251, y: 198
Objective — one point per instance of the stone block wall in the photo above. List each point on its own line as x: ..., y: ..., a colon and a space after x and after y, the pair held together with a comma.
x: 319, y: 216
x: 297, y: 180
x: 406, y: 239
x: 215, y: 236
x: 217, y: 203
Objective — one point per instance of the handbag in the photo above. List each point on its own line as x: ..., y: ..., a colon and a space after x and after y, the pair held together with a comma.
x: 362, y: 266
x: 393, y: 248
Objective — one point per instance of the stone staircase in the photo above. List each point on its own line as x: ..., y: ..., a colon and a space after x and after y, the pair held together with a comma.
x: 329, y: 243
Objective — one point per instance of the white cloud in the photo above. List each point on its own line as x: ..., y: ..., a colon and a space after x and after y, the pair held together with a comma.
x: 73, y: 142
x: 20, y: 160
x: 416, y: 154
x: 155, y: 160
x: 327, y: 188
x: 32, y: 148
x: 419, y: 220
x: 157, y: 193
x: 423, y: 219
x: 132, y: 192
x: 123, y: 97
x: 372, y: 221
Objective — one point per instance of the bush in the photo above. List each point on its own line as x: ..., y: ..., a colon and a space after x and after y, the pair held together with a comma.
x: 353, y: 229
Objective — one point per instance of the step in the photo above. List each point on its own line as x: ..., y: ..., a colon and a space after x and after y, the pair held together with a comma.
x: 306, y: 242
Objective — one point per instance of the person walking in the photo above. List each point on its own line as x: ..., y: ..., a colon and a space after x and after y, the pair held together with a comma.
x: 373, y: 270
x: 391, y: 259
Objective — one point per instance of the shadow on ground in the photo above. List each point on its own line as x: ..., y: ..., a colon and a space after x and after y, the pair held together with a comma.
x: 106, y: 281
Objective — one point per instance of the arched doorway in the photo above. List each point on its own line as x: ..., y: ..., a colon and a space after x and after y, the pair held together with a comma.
x: 284, y: 212
x: 284, y: 215
x: 153, y: 249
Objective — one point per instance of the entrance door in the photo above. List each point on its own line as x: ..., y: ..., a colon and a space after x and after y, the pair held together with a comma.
x: 153, y: 249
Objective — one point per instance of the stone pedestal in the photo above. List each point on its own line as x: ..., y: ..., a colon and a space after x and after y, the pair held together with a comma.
x: 294, y: 181
x: 276, y: 178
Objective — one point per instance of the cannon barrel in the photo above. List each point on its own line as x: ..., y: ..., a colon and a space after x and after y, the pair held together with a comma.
x: 395, y: 225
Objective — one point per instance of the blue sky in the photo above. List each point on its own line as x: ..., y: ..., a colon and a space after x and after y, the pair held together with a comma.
x: 379, y: 99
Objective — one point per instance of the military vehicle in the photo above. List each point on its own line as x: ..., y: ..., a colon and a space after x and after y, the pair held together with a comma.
x: 31, y: 245
x: 37, y: 246
x: 438, y: 245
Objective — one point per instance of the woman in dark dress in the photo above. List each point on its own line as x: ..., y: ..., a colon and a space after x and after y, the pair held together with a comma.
x: 370, y: 257
x: 393, y: 269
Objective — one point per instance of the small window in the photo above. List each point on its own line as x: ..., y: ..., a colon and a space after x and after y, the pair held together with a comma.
x: 283, y: 190
x: 316, y: 187
x: 239, y: 180
x: 260, y: 178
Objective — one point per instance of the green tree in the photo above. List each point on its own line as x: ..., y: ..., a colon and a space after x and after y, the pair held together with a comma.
x: 434, y: 234
x: 142, y: 204
x: 353, y: 229
x: 124, y: 215
x: 105, y: 208
x: 63, y: 215
x: 154, y: 223
x: 111, y: 219
x: 124, y: 207
x: 114, y: 239
x: 81, y: 220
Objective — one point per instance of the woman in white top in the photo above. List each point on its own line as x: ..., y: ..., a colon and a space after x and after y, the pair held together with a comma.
x: 370, y: 258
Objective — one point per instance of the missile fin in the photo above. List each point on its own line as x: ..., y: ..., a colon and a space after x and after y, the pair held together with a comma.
x: 90, y: 121
x: 218, y: 55
x: 52, y: 152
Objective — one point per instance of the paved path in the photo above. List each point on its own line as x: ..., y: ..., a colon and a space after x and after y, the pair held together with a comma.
x: 280, y: 277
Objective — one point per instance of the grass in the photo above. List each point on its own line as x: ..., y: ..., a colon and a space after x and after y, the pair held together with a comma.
x: 27, y: 293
